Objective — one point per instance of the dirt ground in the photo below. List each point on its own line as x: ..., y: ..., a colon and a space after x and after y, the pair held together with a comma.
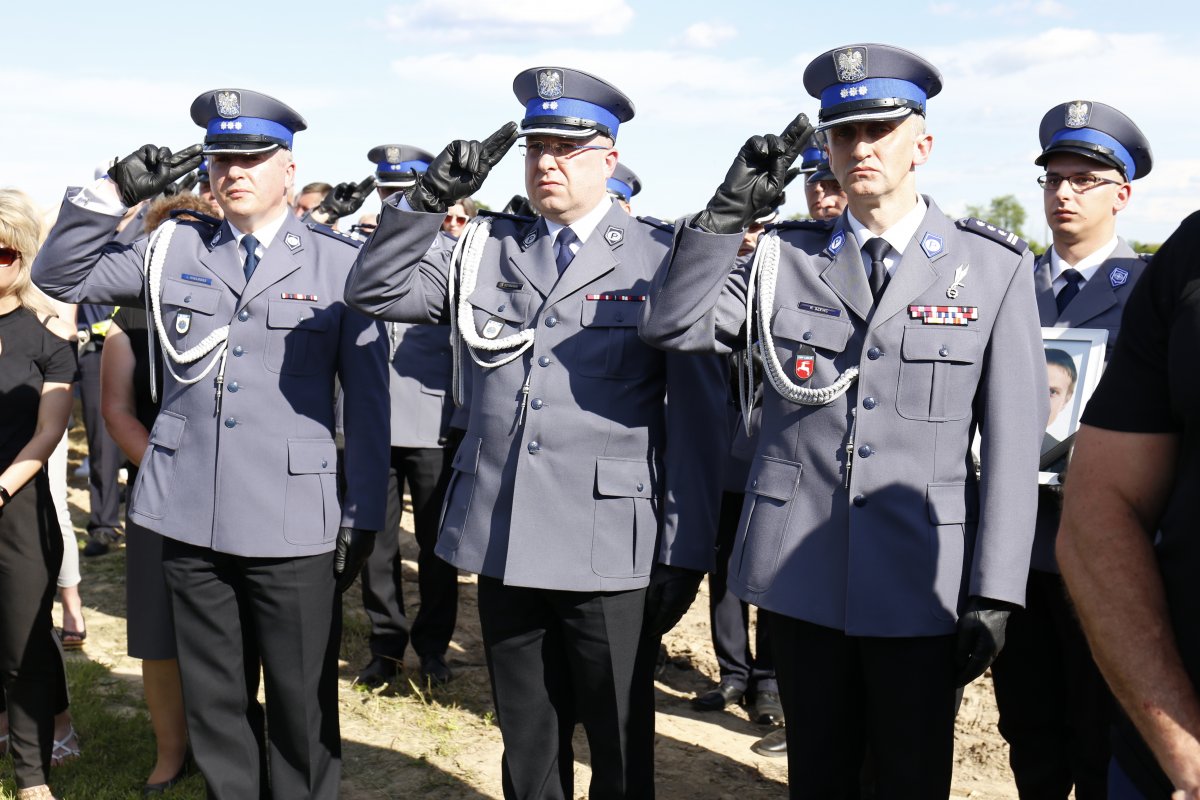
x: 403, y: 742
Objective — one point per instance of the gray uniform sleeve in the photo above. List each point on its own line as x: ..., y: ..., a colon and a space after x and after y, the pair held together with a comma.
x: 79, y: 263
x: 363, y: 372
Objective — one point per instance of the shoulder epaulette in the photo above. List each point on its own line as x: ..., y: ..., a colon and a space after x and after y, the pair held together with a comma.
x: 194, y: 216
x: 520, y: 219
x: 332, y: 234
x: 655, y: 222
x: 990, y: 231
x: 1147, y: 257
x: 801, y: 224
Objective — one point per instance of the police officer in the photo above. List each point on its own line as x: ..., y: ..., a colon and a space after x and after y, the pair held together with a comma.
x: 1055, y: 707
x: 240, y: 474
x: 422, y: 449
x: 822, y: 192
x: 888, y: 339
x: 585, y: 502
x: 623, y: 185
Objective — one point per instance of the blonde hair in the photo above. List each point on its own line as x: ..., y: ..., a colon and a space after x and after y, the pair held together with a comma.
x: 21, y: 229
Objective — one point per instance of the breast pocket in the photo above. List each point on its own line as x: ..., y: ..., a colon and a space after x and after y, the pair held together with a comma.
x: 293, y: 331
x: 939, y: 373
x: 498, y: 312
x: 187, y: 311
x: 607, y: 345
x: 794, y: 331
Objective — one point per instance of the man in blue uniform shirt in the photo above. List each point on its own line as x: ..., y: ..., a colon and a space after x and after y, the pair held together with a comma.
x: 240, y: 473
x: 888, y: 338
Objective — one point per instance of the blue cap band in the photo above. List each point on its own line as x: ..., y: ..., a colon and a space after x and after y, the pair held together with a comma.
x: 250, y: 125
x: 1093, y: 136
x: 621, y: 188
x: 405, y: 166
x: 567, y: 107
x: 871, y: 89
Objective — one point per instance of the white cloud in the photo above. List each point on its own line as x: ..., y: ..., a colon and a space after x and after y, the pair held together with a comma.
x: 486, y: 21
x: 708, y: 34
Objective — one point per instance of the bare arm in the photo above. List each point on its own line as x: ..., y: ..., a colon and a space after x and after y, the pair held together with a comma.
x: 53, y: 410
x: 1107, y: 559
x: 117, y: 399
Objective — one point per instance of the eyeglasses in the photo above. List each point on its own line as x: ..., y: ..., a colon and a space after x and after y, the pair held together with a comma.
x: 457, y: 219
x: 8, y: 256
x: 1079, y: 183
x: 560, y: 151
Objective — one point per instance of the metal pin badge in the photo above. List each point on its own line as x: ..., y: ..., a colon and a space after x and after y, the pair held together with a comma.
x: 960, y: 273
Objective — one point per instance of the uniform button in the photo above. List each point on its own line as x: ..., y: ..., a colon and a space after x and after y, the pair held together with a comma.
x: 233, y: 387
x: 544, y: 361
x: 860, y: 500
x: 754, y: 483
x: 551, y: 321
x: 806, y: 335
x: 243, y: 315
x: 620, y: 318
x: 187, y: 298
x: 230, y: 422
x: 641, y: 486
x: 299, y: 318
x: 869, y: 403
x: 324, y: 463
x: 874, y: 353
x: 238, y: 351
x: 501, y: 307
x: 865, y: 451
x: 536, y: 404
x: 533, y: 447
x: 943, y: 352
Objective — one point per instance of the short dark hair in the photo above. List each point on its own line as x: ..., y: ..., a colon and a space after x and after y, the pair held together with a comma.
x: 1061, y: 358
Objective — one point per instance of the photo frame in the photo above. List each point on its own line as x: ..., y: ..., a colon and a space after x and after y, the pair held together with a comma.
x: 1074, y: 361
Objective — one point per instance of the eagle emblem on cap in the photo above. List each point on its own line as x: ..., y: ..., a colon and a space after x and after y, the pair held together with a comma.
x: 550, y: 84
x: 392, y: 155
x: 851, y: 64
x: 229, y: 104
x: 1078, y: 114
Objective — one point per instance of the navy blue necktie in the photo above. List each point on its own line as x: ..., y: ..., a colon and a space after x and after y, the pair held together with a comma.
x: 566, y: 237
x: 1068, y: 292
x: 877, y: 250
x: 251, y: 246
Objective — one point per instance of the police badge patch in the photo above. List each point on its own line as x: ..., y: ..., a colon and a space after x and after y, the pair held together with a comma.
x: 392, y: 155
x: 614, y: 235
x: 1118, y: 277
x: 835, y: 244
x: 492, y: 328
x: 550, y: 84
x: 183, y: 322
x: 806, y: 362
x: 932, y: 244
x: 530, y: 239
x: 292, y: 241
x: 851, y: 64
x: 1078, y: 114
x: 229, y: 104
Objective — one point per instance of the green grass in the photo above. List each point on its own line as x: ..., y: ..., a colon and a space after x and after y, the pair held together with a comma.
x: 117, y: 742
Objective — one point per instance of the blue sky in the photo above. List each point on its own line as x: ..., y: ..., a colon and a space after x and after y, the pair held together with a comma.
x: 89, y: 84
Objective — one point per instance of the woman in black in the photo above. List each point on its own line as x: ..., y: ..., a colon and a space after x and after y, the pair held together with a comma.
x: 37, y: 367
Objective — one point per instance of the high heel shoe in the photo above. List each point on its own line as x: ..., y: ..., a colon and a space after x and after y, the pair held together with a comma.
x: 152, y: 789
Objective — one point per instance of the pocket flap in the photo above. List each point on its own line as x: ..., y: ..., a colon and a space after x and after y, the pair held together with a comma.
x: 818, y: 330
x: 191, y: 296
x: 610, y: 313
x: 952, y: 503
x: 940, y: 343
x: 297, y: 314
x: 168, y: 430
x: 623, y: 477
x: 771, y: 477
x: 307, y: 456
x: 506, y: 304
x: 466, y: 458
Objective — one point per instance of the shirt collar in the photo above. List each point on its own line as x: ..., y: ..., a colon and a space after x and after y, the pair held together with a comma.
x: 898, y: 236
x: 585, y: 225
x: 1087, y: 265
x: 265, y: 234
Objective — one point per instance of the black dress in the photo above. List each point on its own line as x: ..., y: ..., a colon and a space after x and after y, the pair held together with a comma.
x: 31, y: 546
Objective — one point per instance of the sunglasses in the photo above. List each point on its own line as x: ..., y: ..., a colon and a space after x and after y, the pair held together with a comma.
x: 459, y: 220
x: 8, y: 256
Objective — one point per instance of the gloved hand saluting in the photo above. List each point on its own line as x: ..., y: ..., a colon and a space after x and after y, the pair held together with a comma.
x: 343, y: 200
x: 980, y: 636
x: 350, y: 554
x: 149, y: 170
x: 754, y: 183
x: 459, y: 170
x: 668, y: 597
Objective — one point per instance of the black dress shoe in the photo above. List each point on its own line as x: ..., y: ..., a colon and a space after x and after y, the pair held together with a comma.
x: 151, y: 789
x: 435, y: 671
x: 381, y: 670
x: 718, y: 698
x: 767, y: 709
x: 773, y: 745
x: 101, y: 541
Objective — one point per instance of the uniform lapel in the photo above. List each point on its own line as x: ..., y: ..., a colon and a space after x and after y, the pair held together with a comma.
x: 1098, y: 295
x: 845, y: 274
x: 594, y: 259
x: 1043, y: 287
x: 280, y: 259
x: 917, y: 270
x: 223, y: 260
x: 536, y: 259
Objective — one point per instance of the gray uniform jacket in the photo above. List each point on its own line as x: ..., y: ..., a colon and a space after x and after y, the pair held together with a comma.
x: 603, y: 477
x: 259, y: 477
x: 1099, y: 304
x: 893, y: 548
x: 420, y: 384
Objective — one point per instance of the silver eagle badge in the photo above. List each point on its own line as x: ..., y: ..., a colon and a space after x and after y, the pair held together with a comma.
x: 851, y: 64
x: 1078, y: 114
x: 229, y: 104
x: 550, y: 84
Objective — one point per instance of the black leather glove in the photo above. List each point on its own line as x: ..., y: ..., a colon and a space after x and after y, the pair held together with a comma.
x: 519, y: 206
x: 980, y: 636
x: 350, y: 554
x: 149, y: 170
x: 755, y: 181
x: 343, y: 200
x: 668, y: 597
x: 459, y: 170
x: 183, y: 185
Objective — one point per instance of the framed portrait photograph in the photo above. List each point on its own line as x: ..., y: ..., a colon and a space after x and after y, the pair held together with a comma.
x: 1074, y: 361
